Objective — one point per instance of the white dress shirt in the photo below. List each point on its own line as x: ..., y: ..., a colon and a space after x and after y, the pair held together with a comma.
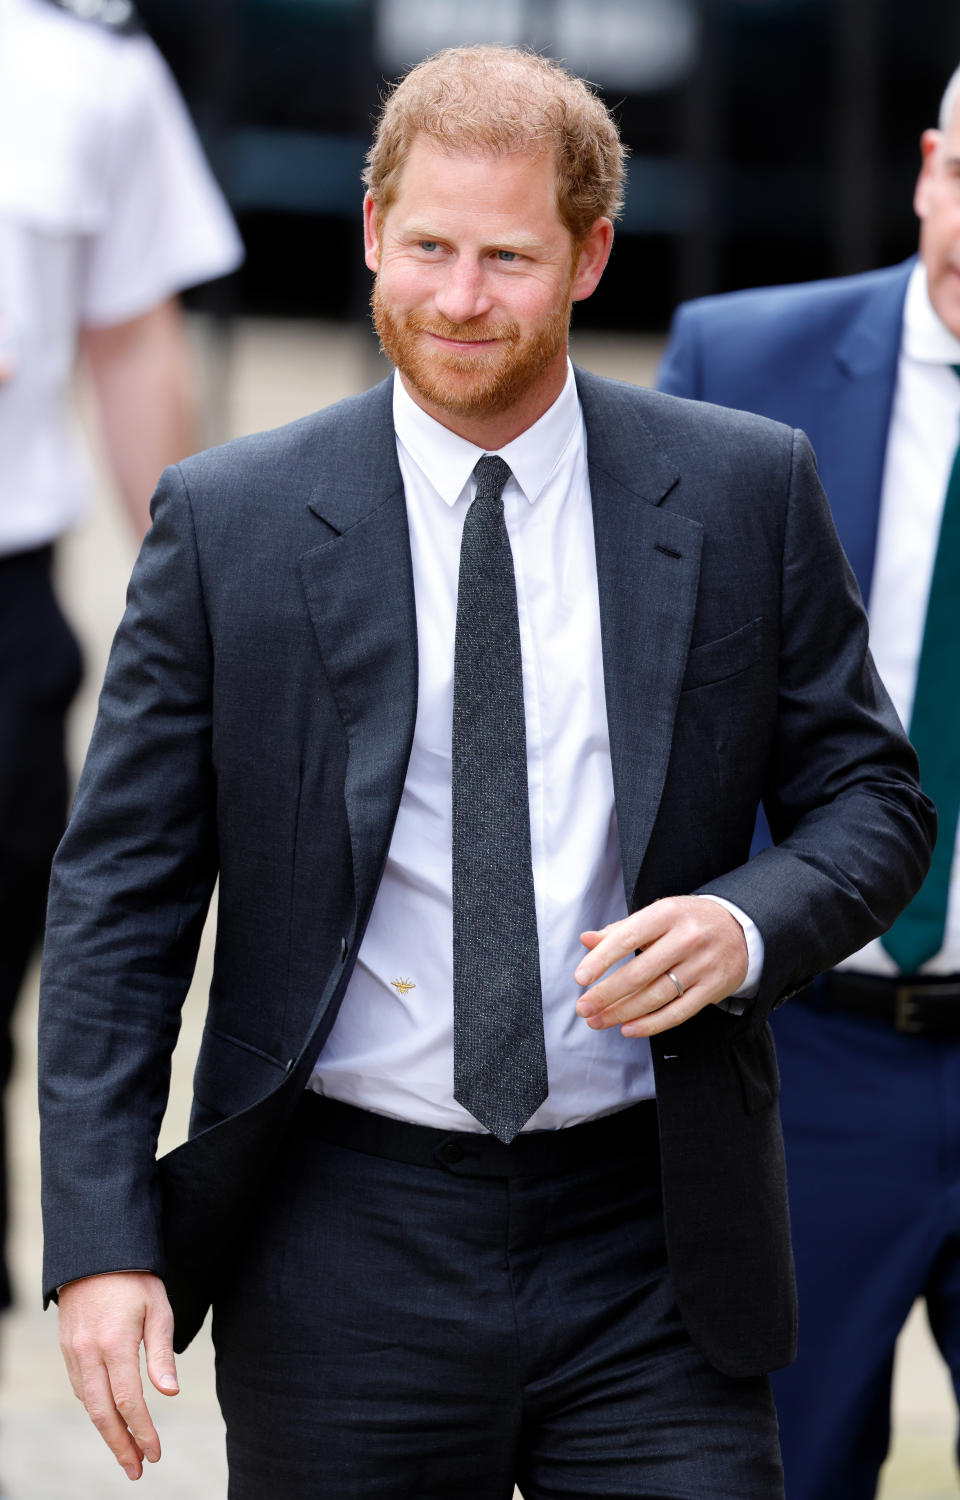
x: 391, y: 1047
x: 923, y: 437
x: 107, y: 208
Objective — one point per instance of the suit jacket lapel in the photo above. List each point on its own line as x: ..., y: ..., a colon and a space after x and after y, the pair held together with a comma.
x: 358, y: 584
x: 851, y: 443
x: 648, y: 567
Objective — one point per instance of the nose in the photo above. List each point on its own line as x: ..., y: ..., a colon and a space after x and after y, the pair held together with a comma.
x: 463, y: 293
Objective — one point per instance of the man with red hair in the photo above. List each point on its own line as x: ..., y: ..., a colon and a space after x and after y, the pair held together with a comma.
x: 468, y: 689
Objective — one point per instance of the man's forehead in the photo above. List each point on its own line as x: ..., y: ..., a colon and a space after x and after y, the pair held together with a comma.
x: 433, y: 175
x: 479, y: 153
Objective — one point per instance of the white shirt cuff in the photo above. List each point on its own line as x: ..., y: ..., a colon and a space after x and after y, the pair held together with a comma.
x: 737, y: 1003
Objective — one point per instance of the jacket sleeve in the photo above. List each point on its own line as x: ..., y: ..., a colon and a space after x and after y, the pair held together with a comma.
x: 130, y: 889
x: 852, y: 830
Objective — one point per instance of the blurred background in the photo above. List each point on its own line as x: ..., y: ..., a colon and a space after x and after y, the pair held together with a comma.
x: 772, y: 140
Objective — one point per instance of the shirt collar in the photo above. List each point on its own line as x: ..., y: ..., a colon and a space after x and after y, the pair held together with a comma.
x: 448, y: 460
x: 925, y: 338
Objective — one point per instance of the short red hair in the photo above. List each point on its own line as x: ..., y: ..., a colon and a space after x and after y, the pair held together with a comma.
x: 504, y: 99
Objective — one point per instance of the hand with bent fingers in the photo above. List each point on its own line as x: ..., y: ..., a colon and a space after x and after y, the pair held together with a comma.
x: 103, y: 1321
x: 694, y: 938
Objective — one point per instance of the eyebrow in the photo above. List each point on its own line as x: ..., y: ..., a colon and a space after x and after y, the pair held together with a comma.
x: 517, y: 241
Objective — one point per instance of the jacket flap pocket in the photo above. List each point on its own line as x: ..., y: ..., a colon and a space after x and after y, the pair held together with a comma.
x: 231, y: 1075
x: 756, y: 1061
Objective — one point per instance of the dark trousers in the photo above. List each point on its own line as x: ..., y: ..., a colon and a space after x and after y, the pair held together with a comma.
x: 872, y: 1124
x: 469, y: 1318
x: 39, y: 673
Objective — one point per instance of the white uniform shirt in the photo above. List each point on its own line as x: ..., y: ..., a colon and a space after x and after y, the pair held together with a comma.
x: 923, y: 437
x: 107, y: 208
x: 391, y: 1047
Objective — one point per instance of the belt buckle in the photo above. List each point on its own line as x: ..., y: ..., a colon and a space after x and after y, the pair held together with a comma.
x: 905, y: 1017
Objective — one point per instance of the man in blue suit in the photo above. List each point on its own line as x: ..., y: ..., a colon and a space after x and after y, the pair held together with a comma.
x: 870, y: 1056
x: 468, y: 689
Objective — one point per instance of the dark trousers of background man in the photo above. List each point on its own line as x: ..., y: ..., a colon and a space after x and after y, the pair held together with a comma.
x: 414, y: 1319
x: 39, y: 674
x: 875, y: 1226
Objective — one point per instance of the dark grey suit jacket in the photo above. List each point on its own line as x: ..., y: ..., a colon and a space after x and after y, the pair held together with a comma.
x: 256, y: 722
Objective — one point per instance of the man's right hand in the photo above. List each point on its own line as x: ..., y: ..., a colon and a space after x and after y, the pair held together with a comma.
x: 103, y: 1321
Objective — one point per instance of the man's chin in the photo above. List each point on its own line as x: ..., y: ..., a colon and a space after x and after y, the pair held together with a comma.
x: 460, y: 394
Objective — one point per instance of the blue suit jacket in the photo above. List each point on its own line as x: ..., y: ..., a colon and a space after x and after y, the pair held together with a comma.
x: 821, y: 356
x: 255, y: 724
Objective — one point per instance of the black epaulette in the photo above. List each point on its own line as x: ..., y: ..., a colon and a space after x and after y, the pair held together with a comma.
x: 118, y: 16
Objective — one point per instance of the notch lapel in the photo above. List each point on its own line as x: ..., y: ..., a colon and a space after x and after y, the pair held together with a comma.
x: 358, y: 585
x: 648, y: 571
x: 851, y: 437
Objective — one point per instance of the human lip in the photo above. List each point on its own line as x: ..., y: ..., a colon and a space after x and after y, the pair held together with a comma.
x: 462, y: 344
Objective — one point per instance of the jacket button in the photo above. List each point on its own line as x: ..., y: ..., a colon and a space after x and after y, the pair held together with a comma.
x: 288, y: 1067
x: 344, y: 949
x: 450, y: 1153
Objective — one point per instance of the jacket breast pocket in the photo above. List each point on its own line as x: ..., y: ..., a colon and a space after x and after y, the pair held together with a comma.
x: 712, y: 661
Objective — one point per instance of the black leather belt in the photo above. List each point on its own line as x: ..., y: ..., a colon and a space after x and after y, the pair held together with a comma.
x: 36, y: 560
x: 921, y: 1006
x: 631, y: 1133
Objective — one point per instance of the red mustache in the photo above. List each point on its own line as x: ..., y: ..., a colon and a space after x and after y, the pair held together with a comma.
x: 474, y: 329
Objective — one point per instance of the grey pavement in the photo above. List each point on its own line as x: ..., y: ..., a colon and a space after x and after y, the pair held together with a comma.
x: 48, y: 1451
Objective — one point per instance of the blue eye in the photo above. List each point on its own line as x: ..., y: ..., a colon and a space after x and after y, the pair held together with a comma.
x: 429, y: 245
x: 506, y: 255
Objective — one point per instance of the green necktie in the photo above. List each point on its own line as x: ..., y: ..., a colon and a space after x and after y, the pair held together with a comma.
x: 917, y: 934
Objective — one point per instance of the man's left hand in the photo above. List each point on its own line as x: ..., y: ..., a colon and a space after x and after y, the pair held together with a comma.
x: 694, y: 939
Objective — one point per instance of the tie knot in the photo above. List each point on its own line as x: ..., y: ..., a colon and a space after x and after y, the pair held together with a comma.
x: 491, y: 474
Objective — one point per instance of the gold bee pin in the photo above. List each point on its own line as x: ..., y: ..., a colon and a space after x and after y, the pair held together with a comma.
x: 403, y: 985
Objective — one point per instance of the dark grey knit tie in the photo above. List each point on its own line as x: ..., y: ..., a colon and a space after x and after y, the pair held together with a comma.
x: 499, y: 1058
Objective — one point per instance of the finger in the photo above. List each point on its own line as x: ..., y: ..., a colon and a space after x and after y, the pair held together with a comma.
x: 127, y: 1389
x: 618, y: 940
x: 591, y: 938
x: 101, y: 1408
x: 672, y: 1014
x: 158, y: 1347
x: 641, y: 1001
x: 636, y: 975
x: 699, y: 984
x: 611, y: 946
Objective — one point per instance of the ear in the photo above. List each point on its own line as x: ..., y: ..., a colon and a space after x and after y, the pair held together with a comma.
x: 929, y: 144
x: 594, y: 254
x: 371, y: 236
